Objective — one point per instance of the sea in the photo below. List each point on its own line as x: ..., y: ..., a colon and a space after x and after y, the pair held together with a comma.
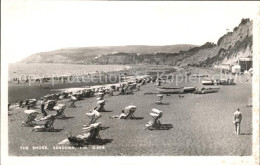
x: 49, y: 69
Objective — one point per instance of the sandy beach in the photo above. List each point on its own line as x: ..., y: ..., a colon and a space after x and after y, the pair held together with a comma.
x: 202, y: 125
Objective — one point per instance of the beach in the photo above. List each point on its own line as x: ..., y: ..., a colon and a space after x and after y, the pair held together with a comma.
x: 201, y: 125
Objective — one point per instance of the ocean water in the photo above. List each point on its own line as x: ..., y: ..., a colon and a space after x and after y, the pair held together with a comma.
x: 18, y: 69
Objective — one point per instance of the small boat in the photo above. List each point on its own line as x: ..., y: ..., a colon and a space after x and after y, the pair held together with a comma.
x: 170, y: 90
x: 211, y: 90
x: 189, y: 89
x: 207, y: 90
x: 199, y: 75
x: 207, y: 82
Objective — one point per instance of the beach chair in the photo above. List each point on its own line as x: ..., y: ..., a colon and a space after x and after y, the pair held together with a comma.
x: 60, y: 108
x: 129, y: 91
x: 25, y: 103
x: 32, y: 103
x: 100, y: 96
x: 101, y: 104
x: 132, y: 86
x: 73, y: 99
x: 50, y: 104
x: 138, y: 86
x: 47, y: 126
x: 94, y: 116
x: 160, y: 99
x: 79, y: 95
x: 148, y: 80
x: 110, y: 92
x: 92, y: 93
x: 155, y: 122
x: 30, y: 120
x: 91, y: 136
x: 129, y: 111
x: 89, y: 93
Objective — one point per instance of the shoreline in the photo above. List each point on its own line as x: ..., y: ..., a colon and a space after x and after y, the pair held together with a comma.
x: 22, y: 91
x: 27, y: 90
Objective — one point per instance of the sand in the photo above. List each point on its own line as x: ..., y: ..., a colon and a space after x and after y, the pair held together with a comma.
x: 202, y: 125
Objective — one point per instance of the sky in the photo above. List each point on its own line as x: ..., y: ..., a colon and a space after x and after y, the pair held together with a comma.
x: 30, y: 27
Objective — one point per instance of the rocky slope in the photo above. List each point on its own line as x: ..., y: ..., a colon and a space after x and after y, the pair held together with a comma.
x: 229, y: 48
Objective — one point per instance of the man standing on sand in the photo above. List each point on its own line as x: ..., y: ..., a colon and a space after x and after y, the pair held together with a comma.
x: 237, y: 120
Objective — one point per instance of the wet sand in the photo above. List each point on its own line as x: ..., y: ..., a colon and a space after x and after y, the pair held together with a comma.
x: 202, y: 125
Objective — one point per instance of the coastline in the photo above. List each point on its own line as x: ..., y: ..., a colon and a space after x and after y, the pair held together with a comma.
x: 22, y: 91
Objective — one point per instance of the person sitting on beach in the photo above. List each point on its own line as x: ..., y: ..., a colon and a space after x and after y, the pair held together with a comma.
x: 121, y: 116
x: 42, y: 102
x: 20, y: 103
x: 153, y: 80
x: 159, y: 82
x: 26, y: 102
x: 122, y: 91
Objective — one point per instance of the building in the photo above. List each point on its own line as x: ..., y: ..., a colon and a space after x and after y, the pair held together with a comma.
x: 245, y: 63
x: 226, y: 67
x: 236, y: 69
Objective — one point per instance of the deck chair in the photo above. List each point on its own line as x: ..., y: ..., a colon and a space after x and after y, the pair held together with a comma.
x: 101, y: 104
x: 130, y: 110
x: 30, y: 120
x: 93, y: 129
x: 129, y: 92
x: 60, y: 108
x: 110, y: 92
x: 94, y: 116
x: 132, y: 86
x: 88, y: 93
x: 47, y: 126
x: 32, y: 103
x: 50, y: 104
x: 160, y: 99
x: 155, y: 122
x: 73, y: 99
x: 100, y: 96
x: 90, y: 136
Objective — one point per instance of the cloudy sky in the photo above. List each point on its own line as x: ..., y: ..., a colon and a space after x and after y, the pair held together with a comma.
x: 34, y: 26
